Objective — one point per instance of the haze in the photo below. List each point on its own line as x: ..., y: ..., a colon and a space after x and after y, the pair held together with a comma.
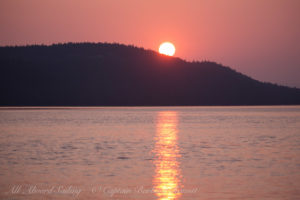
x: 259, y: 38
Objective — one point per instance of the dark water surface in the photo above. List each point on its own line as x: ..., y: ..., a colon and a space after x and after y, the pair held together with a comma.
x: 163, y: 153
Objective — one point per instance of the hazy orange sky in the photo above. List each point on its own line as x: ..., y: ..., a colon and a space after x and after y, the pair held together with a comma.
x: 260, y: 38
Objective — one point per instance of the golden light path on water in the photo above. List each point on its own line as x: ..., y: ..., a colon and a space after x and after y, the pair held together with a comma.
x: 167, y: 168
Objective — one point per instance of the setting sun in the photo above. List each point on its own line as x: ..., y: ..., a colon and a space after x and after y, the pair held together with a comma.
x: 167, y: 48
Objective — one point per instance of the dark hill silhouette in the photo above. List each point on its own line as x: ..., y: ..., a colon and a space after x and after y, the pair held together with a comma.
x: 88, y: 74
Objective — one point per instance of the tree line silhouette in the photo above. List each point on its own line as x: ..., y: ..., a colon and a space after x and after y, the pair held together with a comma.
x: 103, y: 74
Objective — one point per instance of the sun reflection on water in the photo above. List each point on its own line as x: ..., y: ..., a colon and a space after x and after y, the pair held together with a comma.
x: 167, y: 169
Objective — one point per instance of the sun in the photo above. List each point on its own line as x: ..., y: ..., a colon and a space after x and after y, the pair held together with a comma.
x: 167, y: 48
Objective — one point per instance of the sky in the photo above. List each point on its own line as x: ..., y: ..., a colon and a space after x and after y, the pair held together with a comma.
x: 260, y: 38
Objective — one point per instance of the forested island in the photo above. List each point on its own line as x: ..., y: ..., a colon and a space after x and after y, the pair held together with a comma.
x: 103, y: 74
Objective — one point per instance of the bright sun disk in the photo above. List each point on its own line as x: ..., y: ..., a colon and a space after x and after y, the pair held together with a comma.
x: 167, y: 48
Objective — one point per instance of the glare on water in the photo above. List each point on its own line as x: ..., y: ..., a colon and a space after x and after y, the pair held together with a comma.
x: 167, y: 167
x: 159, y: 153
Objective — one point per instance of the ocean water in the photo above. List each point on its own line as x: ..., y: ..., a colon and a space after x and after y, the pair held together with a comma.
x: 159, y: 153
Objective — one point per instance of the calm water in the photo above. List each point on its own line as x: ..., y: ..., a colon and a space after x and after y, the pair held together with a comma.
x: 161, y: 153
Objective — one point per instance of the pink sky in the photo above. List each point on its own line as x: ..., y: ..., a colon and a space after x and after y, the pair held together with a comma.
x: 260, y: 38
